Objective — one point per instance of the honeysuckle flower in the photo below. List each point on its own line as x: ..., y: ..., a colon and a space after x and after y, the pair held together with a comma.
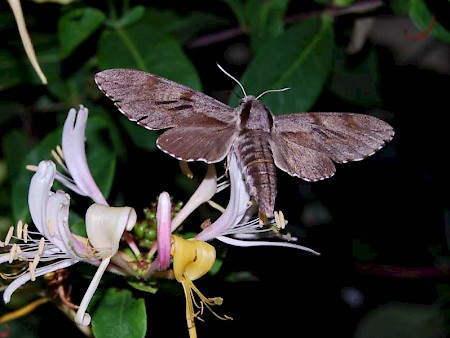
x: 205, y: 191
x: 74, y: 155
x: 25, y: 37
x: 236, y: 221
x: 164, y: 221
x: 164, y: 234
x: 104, y: 226
x: 191, y: 260
x: 53, y: 246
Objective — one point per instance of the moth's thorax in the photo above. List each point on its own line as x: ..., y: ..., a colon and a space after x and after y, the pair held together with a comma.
x: 253, y: 115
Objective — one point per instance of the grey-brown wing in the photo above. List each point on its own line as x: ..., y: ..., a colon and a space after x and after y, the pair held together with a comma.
x: 193, y: 143
x: 158, y: 103
x: 307, y: 144
x: 202, y: 127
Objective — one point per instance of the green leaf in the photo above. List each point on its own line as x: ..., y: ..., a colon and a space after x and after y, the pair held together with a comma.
x: 118, y: 314
x: 399, y: 7
x: 343, y: 3
x: 359, y: 83
x: 76, y: 26
x: 265, y: 20
x: 102, y: 162
x: 72, y: 88
x: 141, y: 137
x: 143, y: 286
x: 132, y: 16
x: 323, y: 2
x: 16, y: 68
x: 142, y: 47
x: 300, y: 59
x: 10, y: 74
x: 100, y: 156
x: 237, y: 6
x: 77, y: 224
x: 185, y: 27
x: 106, y: 126
x: 15, y: 146
x: 422, y: 17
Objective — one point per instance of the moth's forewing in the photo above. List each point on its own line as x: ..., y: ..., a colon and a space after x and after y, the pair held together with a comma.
x: 318, y: 138
x: 157, y: 103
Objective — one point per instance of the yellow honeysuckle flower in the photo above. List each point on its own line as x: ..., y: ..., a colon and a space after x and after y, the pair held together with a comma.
x: 191, y: 260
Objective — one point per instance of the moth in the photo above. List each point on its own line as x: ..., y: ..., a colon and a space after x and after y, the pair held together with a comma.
x: 200, y: 128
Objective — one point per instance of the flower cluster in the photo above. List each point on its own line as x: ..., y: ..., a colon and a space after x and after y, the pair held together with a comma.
x: 49, y: 244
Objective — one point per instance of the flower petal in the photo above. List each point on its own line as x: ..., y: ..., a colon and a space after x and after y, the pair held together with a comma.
x: 105, y: 226
x: 241, y: 243
x: 56, y: 228
x: 39, y: 192
x: 204, y: 192
x: 163, y: 217
x: 191, y: 258
x: 18, y: 282
x: 83, y: 318
x: 75, y: 154
x: 236, y: 208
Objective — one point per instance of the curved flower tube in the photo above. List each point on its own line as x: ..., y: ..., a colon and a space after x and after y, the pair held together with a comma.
x: 75, y: 154
x: 233, y: 221
x: 164, y: 221
x: 104, y: 226
x: 204, y: 193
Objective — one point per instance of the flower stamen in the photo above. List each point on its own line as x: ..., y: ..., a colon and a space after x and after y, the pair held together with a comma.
x: 12, y: 253
x: 31, y: 269
x: 19, y: 229
x: 57, y: 158
x: 25, y: 233
x: 41, y: 246
x: 9, y: 235
x: 280, y: 222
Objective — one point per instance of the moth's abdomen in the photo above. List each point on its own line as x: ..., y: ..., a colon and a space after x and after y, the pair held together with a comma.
x: 256, y: 162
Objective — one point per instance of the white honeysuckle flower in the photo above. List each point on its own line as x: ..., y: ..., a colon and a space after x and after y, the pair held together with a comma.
x: 73, y: 149
x: 54, y: 246
x: 104, y: 226
x: 205, y: 191
x: 235, y: 219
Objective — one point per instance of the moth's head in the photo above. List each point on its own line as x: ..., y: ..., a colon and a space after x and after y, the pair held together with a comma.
x: 247, y: 99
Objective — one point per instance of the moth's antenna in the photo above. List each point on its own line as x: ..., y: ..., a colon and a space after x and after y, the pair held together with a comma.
x: 271, y: 91
x: 231, y: 76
